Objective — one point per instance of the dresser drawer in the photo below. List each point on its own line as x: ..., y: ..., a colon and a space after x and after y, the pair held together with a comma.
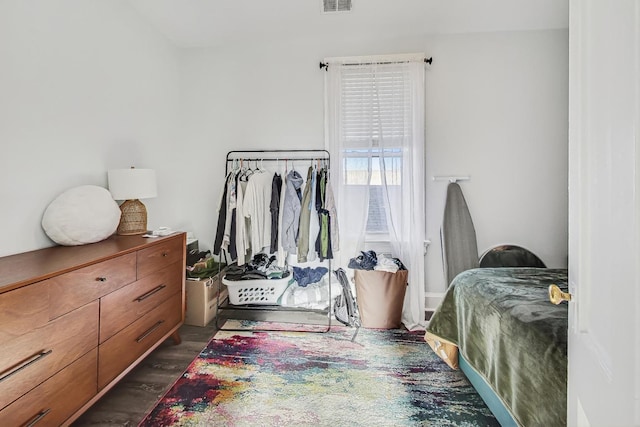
x: 118, y: 352
x: 124, y: 306
x: 23, y: 310
x: 55, y: 400
x: 32, y: 358
x: 76, y: 288
x: 161, y: 255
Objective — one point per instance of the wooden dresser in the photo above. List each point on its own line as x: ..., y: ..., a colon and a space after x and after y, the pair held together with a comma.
x: 75, y: 320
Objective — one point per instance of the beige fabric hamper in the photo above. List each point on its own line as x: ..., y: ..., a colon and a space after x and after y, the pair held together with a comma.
x: 380, y: 297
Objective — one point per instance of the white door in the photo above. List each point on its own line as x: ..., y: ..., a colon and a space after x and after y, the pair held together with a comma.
x: 604, y: 213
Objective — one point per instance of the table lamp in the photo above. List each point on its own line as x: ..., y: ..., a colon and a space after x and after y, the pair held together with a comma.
x: 131, y: 185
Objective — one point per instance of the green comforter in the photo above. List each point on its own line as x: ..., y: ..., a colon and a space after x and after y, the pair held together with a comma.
x: 506, y: 328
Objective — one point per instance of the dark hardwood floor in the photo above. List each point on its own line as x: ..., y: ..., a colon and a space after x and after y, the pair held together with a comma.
x: 128, y: 402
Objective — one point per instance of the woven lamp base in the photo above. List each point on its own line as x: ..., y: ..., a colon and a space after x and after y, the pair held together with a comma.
x: 133, y: 219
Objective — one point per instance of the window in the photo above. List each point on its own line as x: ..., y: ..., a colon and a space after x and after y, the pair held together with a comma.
x: 374, y: 131
x: 375, y: 102
x: 357, y: 164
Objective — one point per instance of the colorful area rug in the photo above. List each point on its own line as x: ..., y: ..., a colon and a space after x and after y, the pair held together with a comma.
x: 385, y: 378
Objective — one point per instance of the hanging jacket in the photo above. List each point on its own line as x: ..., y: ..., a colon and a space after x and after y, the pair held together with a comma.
x: 274, y: 207
x: 330, y: 205
x: 222, y: 215
x: 291, y: 211
x: 323, y: 241
x: 305, y: 218
x: 314, y: 221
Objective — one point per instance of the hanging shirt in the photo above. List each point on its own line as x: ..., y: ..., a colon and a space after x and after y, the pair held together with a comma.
x: 322, y: 240
x: 243, y: 244
x: 276, y: 189
x: 257, y: 199
x: 222, y: 215
x: 330, y: 205
x: 305, y: 218
x: 231, y: 205
x: 291, y: 211
x: 282, y: 254
x: 314, y: 224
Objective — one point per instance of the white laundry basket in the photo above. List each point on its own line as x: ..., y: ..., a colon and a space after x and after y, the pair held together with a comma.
x: 257, y: 291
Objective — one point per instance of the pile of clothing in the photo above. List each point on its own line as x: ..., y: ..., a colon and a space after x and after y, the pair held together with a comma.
x: 313, y: 295
x: 307, y: 275
x: 200, y: 265
x: 369, y: 260
x: 261, y: 266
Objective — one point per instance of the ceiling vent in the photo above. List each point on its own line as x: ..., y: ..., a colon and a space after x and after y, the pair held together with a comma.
x: 329, y: 6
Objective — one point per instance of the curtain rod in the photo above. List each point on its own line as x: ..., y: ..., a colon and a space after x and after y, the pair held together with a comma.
x: 325, y: 65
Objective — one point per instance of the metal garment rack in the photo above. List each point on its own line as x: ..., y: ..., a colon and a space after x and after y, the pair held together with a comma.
x: 266, y: 311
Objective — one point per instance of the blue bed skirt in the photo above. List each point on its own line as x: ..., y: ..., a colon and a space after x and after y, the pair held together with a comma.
x: 490, y: 398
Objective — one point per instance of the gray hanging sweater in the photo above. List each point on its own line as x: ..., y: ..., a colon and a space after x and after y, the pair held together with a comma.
x: 291, y: 211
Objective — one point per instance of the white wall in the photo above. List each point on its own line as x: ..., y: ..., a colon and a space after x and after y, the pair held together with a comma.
x: 496, y: 110
x: 85, y: 86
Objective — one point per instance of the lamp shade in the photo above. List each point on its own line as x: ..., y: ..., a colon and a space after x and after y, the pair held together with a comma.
x: 131, y: 184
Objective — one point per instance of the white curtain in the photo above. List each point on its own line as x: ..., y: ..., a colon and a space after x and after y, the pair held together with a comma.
x: 374, y: 131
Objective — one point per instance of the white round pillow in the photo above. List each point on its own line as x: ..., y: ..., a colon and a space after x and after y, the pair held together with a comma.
x: 81, y: 215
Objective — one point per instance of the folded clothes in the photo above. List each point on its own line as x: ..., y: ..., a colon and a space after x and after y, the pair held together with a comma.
x: 313, y: 296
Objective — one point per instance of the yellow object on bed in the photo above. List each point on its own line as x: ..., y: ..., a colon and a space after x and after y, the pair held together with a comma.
x: 443, y: 348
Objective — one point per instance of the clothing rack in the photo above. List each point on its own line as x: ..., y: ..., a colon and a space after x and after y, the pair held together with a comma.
x: 265, y: 312
x: 277, y: 156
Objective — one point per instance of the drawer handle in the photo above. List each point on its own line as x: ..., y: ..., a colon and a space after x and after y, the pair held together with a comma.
x: 101, y: 279
x: 39, y: 416
x: 149, y: 331
x: 30, y: 361
x: 148, y: 294
x: 165, y: 254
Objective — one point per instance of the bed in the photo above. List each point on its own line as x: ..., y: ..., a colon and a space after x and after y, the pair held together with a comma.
x: 498, y: 326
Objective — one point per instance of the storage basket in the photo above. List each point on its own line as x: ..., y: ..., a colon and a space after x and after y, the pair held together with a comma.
x: 257, y: 291
x: 380, y: 297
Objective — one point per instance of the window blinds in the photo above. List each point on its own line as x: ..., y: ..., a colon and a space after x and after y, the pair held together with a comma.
x: 376, y: 105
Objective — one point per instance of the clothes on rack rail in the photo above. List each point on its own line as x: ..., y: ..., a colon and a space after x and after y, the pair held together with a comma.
x: 330, y: 206
x: 222, y: 217
x: 256, y: 207
x: 314, y: 221
x: 328, y: 239
x: 305, y: 219
x: 243, y: 244
x: 281, y: 255
x: 291, y: 211
x: 274, y: 207
x: 222, y: 240
x: 263, y: 211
